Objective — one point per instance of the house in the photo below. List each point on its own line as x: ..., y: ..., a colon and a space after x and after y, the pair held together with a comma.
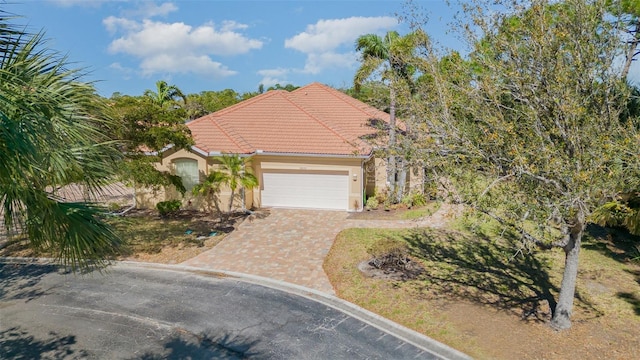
x: 309, y: 148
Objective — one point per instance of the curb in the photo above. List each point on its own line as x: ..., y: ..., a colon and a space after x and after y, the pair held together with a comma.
x: 415, y: 338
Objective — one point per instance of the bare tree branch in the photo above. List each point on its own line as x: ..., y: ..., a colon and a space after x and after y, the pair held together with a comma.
x: 494, y: 183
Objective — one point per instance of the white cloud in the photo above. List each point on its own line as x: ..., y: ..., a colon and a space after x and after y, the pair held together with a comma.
x: 327, y: 35
x: 317, y: 62
x: 114, y: 24
x: 147, y: 10
x: 273, y: 72
x: 179, y: 47
x: 272, y: 77
x: 199, y: 64
x: 268, y: 81
x: 322, y: 40
x: 230, y: 25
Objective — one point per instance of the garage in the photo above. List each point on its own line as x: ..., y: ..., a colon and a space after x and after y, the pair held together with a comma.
x: 311, y: 190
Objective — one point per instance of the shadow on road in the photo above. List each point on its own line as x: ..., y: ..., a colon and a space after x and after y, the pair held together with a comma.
x: 16, y: 343
x: 20, y: 281
x: 208, y: 345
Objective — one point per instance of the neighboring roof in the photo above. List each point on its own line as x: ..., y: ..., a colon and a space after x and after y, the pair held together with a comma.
x: 314, y: 119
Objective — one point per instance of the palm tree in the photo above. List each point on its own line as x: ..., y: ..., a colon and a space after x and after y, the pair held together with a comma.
x: 236, y: 175
x: 165, y: 94
x: 211, y: 187
x: 392, y: 55
x: 51, y: 136
x: 232, y: 173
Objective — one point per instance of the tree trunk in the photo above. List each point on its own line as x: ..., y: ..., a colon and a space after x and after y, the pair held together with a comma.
x: 562, y: 315
x: 402, y: 179
x: 391, y: 161
x: 633, y: 45
x: 231, y: 200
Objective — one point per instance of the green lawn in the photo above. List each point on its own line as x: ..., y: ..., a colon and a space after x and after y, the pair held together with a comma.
x: 478, y: 292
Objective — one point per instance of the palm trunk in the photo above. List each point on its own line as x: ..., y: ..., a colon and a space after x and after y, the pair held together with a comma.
x: 562, y: 315
x: 231, y: 200
x: 391, y: 161
x: 216, y: 204
x: 633, y: 45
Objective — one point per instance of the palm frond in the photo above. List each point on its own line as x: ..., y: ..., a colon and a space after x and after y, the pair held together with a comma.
x: 50, y: 136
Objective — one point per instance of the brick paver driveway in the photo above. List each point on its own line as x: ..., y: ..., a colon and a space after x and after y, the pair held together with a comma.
x: 289, y: 245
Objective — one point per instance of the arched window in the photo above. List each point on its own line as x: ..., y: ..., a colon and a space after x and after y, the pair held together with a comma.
x: 187, y: 169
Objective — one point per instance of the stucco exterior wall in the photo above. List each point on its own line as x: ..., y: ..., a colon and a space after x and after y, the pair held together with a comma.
x: 148, y: 198
x: 376, y: 177
x: 380, y: 174
x: 368, y: 176
x: 416, y: 179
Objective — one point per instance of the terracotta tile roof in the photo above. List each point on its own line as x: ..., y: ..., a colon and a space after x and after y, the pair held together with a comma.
x: 314, y: 119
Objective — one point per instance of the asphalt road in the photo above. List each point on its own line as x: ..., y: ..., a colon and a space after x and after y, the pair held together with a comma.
x: 141, y: 313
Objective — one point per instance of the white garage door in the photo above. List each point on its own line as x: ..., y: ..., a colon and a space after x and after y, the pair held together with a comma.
x: 306, y: 190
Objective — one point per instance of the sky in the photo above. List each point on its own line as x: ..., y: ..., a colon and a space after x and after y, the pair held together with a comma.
x: 198, y: 45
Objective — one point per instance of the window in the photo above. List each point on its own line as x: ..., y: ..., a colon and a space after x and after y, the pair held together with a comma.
x: 187, y: 169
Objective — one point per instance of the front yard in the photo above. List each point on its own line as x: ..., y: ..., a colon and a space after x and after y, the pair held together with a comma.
x: 149, y: 237
x: 467, y: 289
x: 477, y: 295
x: 173, y: 239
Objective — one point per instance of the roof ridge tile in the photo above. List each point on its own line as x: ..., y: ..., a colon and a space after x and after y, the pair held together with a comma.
x: 237, y: 106
x: 323, y: 123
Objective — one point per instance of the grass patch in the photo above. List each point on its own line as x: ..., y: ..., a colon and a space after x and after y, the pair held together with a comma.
x: 416, y: 213
x: 394, y: 300
x: 399, y: 212
x: 148, y: 237
x: 482, y: 297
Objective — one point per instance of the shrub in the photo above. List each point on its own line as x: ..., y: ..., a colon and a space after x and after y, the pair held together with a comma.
x: 388, y: 246
x: 414, y: 198
x: 372, y: 203
x: 113, y: 207
x: 382, y: 196
x: 431, y: 190
x: 166, y: 208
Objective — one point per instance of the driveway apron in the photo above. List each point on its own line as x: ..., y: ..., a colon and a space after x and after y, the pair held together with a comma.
x: 288, y: 245
x: 291, y: 245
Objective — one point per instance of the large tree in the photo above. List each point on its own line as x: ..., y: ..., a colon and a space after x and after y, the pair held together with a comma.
x: 207, y: 102
x: 51, y: 136
x: 147, y: 128
x: 527, y: 128
x: 389, y: 58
